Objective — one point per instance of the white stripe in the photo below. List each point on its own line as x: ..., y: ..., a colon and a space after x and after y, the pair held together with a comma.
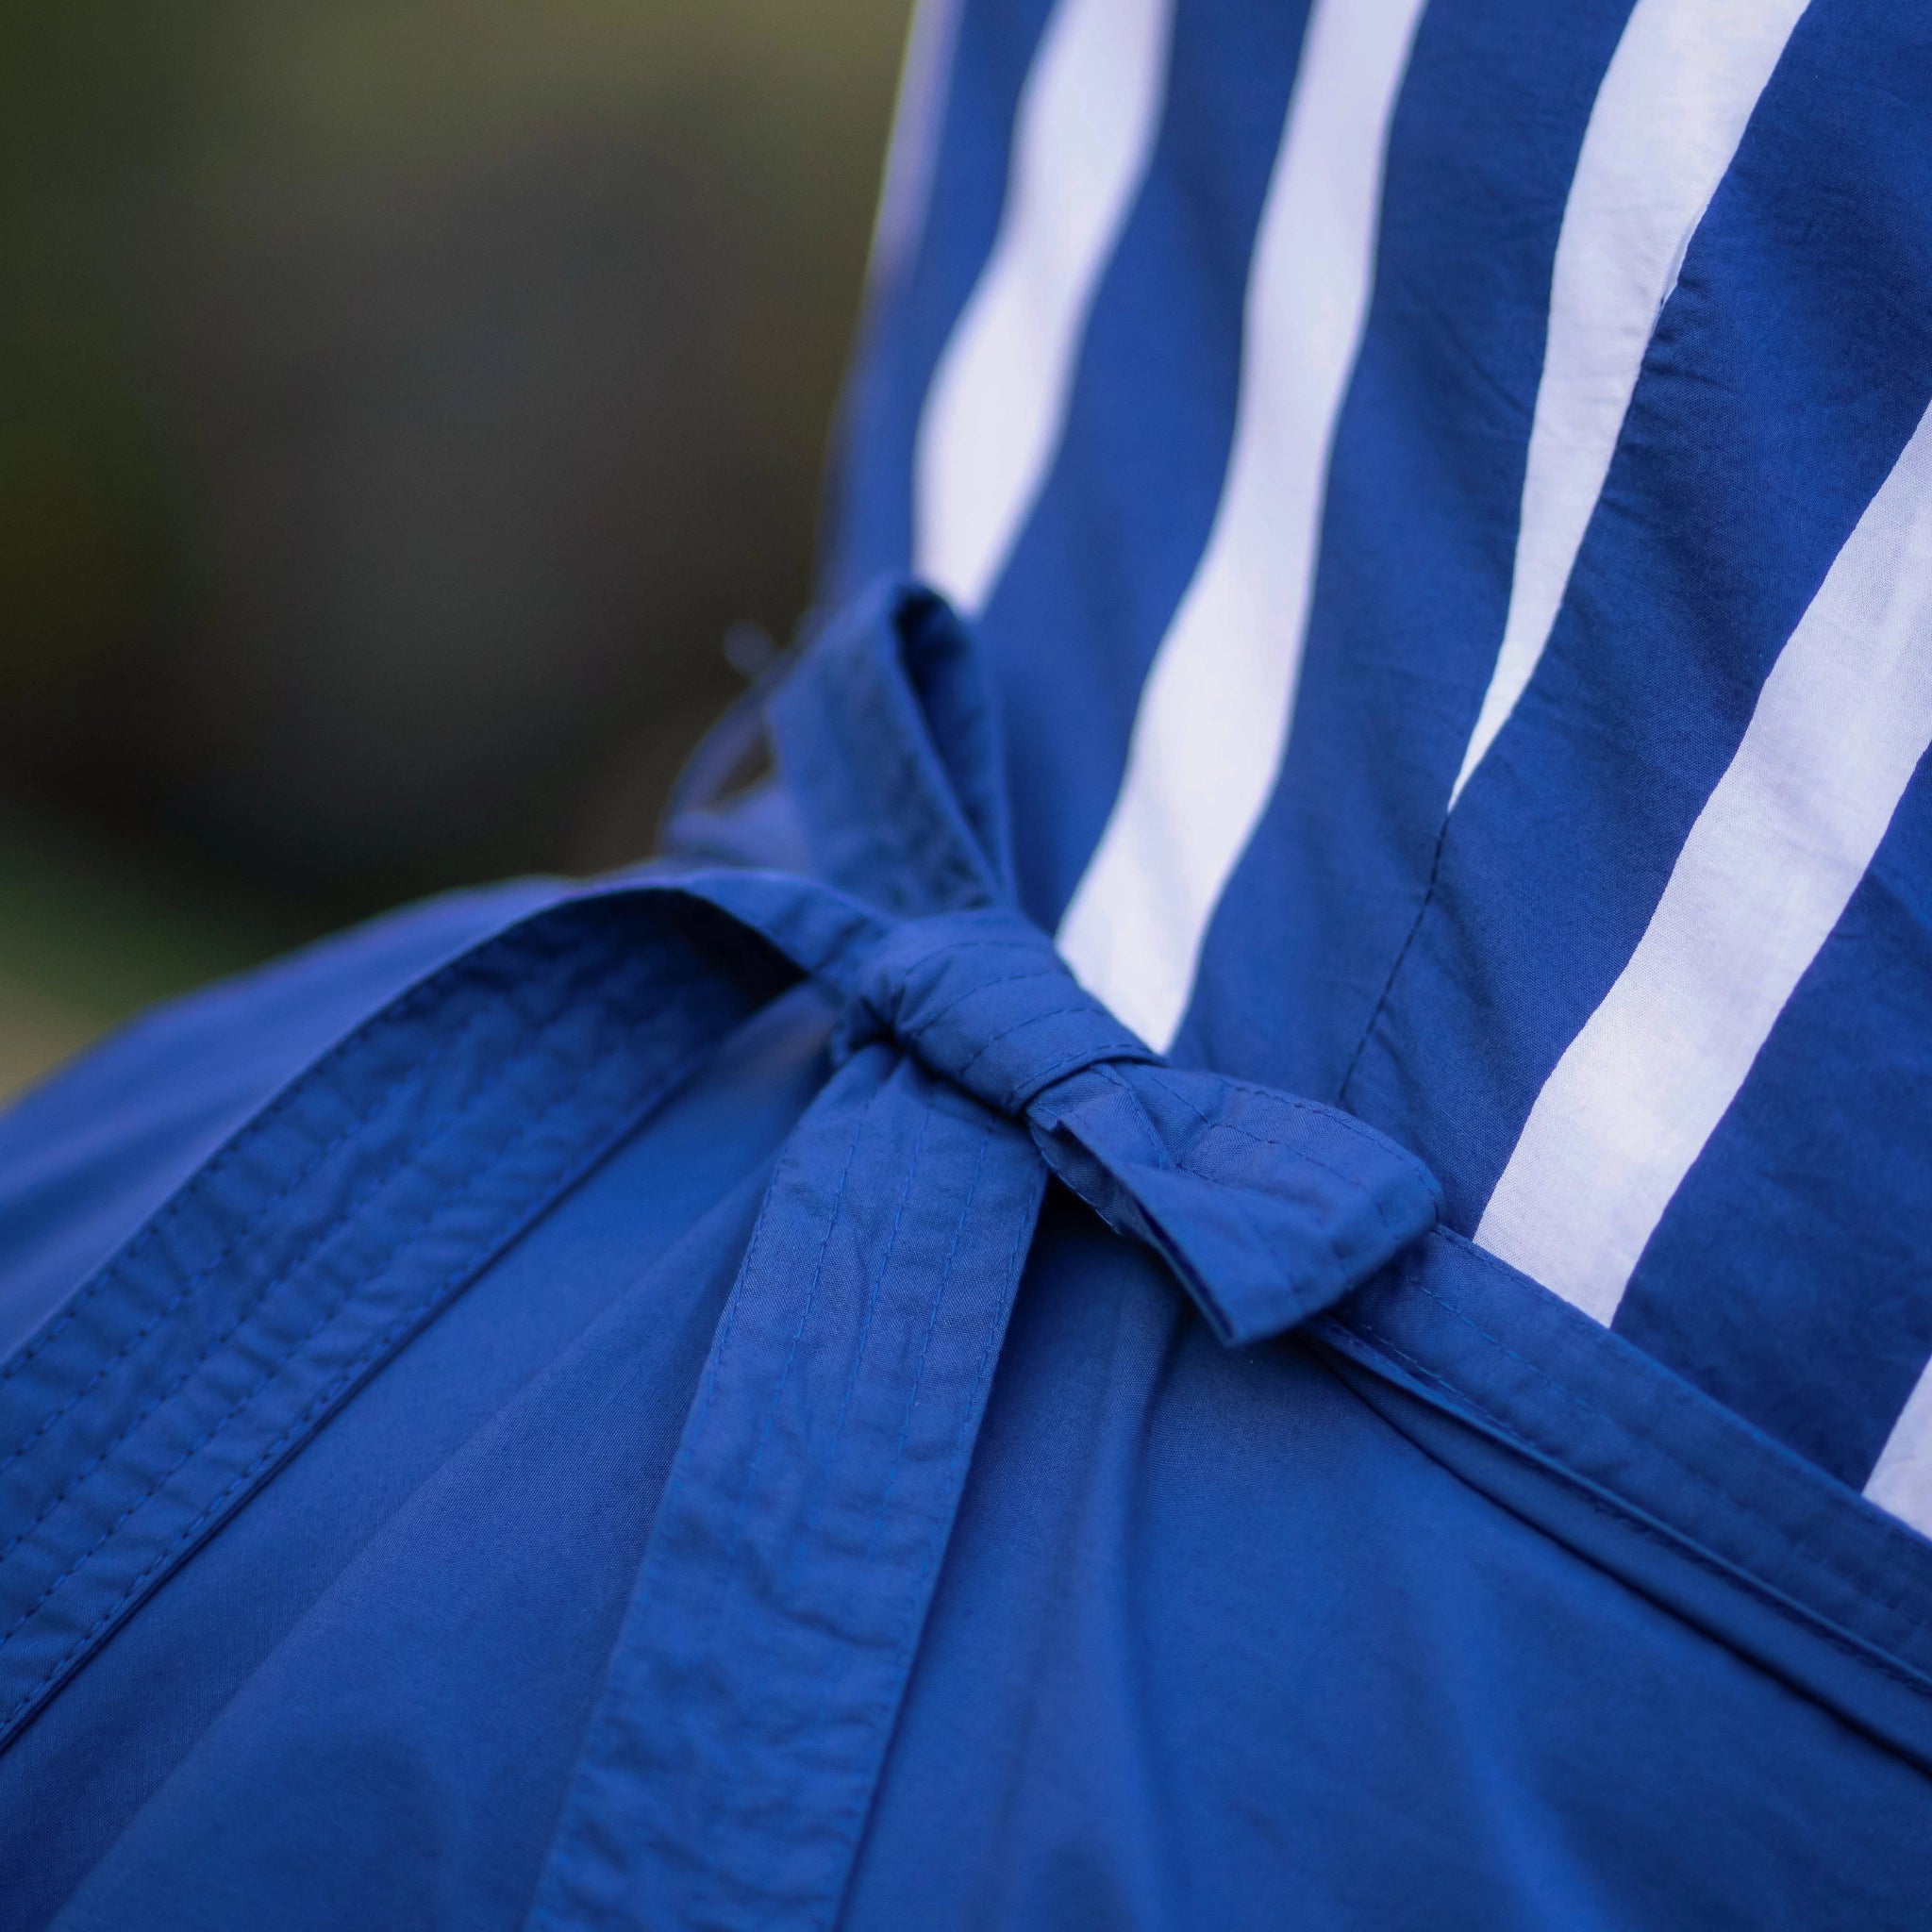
x: 1667, y: 120
x: 1082, y: 141
x: 917, y: 118
x: 1213, y: 718
x: 1781, y: 843
x: 1902, y: 1481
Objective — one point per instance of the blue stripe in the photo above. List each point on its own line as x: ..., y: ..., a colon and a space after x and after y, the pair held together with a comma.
x: 1788, y: 1277
x: 1786, y: 375
x: 1120, y: 525
x: 1429, y: 977
x: 870, y: 524
x: 1414, y: 576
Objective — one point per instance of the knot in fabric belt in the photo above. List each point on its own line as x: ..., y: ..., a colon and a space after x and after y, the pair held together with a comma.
x: 728, y: 1773
x: 1266, y: 1207
x: 984, y: 999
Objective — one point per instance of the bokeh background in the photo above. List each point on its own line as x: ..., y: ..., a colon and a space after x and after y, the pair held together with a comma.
x: 410, y: 412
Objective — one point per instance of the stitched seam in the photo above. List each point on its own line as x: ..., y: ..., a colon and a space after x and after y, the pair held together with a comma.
x: 409, y: 1158
x: 371, y: 1187
x: 935, y: 1543
x: 984, y: 986
x: 1397, y: 1240
x: 797, y: 1334
x: 931, y: 828
x: 993, y: 1040
x: 191, y: 1529
x: 1348, y: 1180
x: 879, y: 1282
x: 493, y: 1159
x: 1631, y: 1516
x: 932, y: 1317
x: 715, y: 1822
x: 1100, y: 1053
x: 116, y: 1272
x: 680, y: 1473
x: 569, y: 1826
x: 679, y: 1479
x: 726, y: 1562
x: 935, y: 833
x: 1698, y: 1476
x: 817, y: 1717
x: 898, y: 981
x: 1354, y: 1182
x: 805, y: 1307
x: 1415, y: 927
x: 1339, y: 1116
x: 993, y: 945
x: 1235, y: 1196
x: 857, y: 1368
x: 1119, y: 1044
x: 387, y: 1021
x: 1859, y: 1588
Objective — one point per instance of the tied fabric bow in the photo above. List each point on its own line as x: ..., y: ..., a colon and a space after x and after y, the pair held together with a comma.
x: 730, y: 1765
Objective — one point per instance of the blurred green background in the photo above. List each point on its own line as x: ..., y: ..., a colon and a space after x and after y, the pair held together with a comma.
x: 400, y: 400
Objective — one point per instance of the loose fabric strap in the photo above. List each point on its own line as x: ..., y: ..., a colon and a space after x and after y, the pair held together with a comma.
x: 731, y: 1763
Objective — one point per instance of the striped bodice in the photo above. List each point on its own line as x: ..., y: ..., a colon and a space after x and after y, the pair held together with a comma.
x: 1447, y: 490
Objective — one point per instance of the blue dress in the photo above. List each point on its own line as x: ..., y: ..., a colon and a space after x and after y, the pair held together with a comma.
x: 1246, y: 1249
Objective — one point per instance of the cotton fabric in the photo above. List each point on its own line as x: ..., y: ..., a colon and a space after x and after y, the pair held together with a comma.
x: 764, y: 1391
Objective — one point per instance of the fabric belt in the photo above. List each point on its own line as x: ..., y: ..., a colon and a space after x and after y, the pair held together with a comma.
x: 730, y: 1765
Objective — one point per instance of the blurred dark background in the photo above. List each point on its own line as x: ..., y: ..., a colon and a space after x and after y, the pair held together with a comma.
x: 400, y: 402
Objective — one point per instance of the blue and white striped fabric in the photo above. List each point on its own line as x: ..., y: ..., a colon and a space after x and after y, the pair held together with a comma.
x: 1447, y: 491
x: 739, y: 1395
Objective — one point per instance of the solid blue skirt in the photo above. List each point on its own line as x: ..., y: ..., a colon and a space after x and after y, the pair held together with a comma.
x: 567, y: 1425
